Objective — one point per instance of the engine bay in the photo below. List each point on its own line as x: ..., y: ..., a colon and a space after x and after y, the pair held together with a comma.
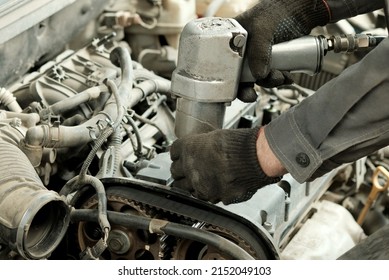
x: 87, y: 116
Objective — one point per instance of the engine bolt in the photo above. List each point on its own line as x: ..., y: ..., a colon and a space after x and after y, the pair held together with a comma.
x: 267, y: 225
x: 118, y: 242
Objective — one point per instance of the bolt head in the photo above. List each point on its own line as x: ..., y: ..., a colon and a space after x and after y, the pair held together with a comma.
x: 239, y: 40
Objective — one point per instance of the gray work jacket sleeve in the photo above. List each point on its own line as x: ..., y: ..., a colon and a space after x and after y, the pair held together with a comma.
x: 346, y: 119
x: 341, y: 9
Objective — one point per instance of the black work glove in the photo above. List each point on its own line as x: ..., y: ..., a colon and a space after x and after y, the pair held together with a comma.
x: 221, y: 165
x: 274, y: 21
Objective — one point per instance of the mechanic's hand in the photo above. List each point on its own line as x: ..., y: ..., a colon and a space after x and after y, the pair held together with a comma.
x: 221, y: 165
x: 274, y: 21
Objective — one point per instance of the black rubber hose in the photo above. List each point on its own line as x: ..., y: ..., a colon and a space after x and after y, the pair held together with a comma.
x: 165, y: 227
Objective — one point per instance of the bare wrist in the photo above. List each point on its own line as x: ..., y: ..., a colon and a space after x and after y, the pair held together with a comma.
x: 269, y: 163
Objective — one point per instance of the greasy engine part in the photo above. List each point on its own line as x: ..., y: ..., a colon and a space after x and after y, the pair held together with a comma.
x: 123, y: 243
x: 187, y: 249
x: 165, y: 227
x: 152, y: 29
x: 157, y: 201
x: 35, y: 32
x: 33, y: 219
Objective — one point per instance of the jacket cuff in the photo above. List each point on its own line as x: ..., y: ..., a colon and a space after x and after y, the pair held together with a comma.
x: 291, y: 147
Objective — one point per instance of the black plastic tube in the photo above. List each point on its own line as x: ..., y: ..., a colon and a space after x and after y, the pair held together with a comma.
x: 165, y: 227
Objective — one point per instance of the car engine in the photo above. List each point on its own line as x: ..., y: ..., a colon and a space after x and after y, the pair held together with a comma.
x: 87, y: 116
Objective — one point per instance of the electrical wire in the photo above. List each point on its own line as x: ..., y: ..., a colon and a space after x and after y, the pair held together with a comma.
x: 135, y: 129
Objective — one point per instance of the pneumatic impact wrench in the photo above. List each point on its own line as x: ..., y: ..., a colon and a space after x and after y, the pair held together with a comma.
x: 211, y: 64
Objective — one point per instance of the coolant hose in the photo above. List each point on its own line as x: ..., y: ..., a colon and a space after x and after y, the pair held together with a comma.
x: 70, y: 103
x: 121, y: 57
x: 145, y: 88
x: 33, y: 220
x: 166, y: 227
